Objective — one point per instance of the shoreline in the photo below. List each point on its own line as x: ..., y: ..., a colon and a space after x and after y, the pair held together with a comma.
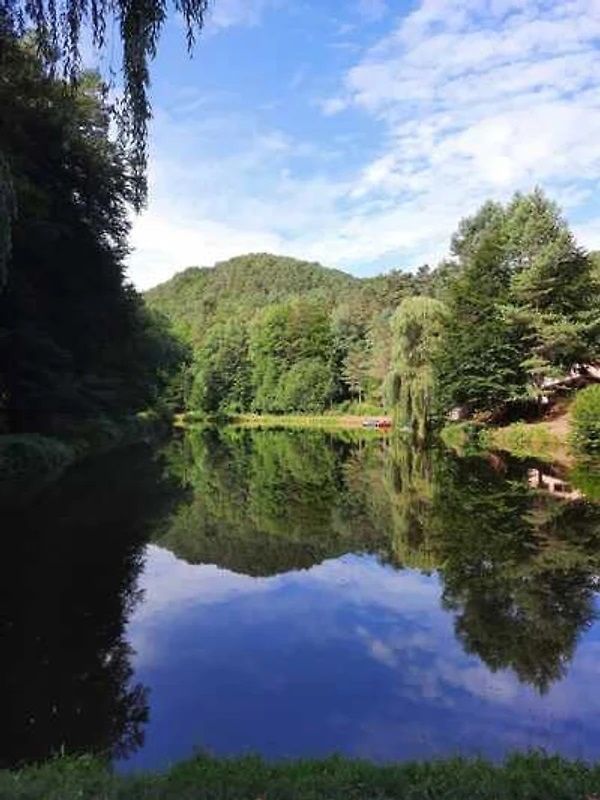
x: 344, y: 421
x: 320, y: 421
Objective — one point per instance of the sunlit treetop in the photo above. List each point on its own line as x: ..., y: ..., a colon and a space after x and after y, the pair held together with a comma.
x: 59, y: 26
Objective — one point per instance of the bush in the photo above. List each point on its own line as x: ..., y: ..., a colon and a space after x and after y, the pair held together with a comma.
x: 586, y: 421
x: 307, y: 386
x: 462, y: 437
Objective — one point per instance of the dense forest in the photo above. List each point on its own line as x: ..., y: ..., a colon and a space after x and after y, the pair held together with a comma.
x: 79, y: 350
x: 514, y: 307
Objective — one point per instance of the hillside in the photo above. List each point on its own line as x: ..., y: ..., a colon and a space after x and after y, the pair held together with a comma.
x: 198, y: 297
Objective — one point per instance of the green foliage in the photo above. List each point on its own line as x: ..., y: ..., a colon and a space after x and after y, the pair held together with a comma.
x: 56, y: 32
x: 196, y: 299
x: 291, y: 344
x: 586, y: 420
x: 294, y: 311
x: 307, y: 386
x: 585, y: 476
x: 76, y: 340
x: 222, y: 371
x: 520, y: 777
x: 416, y: 328
x: 523, y: 306
x: 523, y: 440
x: 465, y: 438
x: 479, y: 362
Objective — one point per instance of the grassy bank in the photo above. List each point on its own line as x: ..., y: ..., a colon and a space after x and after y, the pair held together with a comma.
x: 530, y: 777
x: 331, y: 420
x: 299, y: 420
x: 547, y: 440
x: 540, y: 440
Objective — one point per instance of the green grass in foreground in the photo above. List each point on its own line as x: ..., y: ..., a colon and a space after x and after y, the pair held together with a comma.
x: 521, y: 777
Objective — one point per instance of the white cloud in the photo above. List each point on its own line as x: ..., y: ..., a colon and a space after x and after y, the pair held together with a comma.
x: 472, y: 99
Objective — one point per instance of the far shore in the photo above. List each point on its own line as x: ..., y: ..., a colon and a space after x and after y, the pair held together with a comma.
x: 346, y: 421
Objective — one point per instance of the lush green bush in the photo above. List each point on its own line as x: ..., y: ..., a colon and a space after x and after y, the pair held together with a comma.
x: 30, y: 454
x: 307, y: 386
x: 523, y: 777
x: 462, y: 437
x: 586, y: 420
x: 585, y: 476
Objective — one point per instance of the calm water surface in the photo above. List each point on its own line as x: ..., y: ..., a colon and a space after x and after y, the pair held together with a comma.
x: 298, y: 594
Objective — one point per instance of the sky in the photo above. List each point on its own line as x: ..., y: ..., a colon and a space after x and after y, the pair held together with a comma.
x: 358, y: 133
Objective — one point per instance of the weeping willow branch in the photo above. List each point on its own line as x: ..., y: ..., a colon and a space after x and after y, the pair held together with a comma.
x: 416, y: 328
x: 58, y: 27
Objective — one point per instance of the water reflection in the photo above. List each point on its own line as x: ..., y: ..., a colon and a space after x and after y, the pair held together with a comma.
x: 70, y: 563
x: 304, y: 593
x: 518, y: 564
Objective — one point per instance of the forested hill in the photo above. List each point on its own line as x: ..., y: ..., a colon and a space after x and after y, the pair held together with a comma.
x: 199, y: 297
x: 276, y: 334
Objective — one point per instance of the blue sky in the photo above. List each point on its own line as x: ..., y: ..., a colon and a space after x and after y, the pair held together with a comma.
x: 358, y: 133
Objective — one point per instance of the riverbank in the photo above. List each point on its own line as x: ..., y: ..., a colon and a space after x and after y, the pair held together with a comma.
x: 521, y: 777
x: 345, y: 421
x: 328, y: 421
x: 545, y: 440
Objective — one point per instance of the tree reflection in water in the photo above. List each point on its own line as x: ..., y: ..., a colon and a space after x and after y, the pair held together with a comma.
x: 517, y: 565
x: 70, y: 562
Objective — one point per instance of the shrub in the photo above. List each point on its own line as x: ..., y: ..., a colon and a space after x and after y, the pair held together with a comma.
x: 586, y: 421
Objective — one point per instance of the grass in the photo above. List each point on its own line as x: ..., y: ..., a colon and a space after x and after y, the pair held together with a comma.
x: 521, y: 777
x: 527, y: 440
x: 336, y: 418
x: 295, y: 421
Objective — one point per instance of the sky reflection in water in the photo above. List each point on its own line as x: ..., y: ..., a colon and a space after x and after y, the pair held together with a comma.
x: 298, y: 594
x: 349, y: 656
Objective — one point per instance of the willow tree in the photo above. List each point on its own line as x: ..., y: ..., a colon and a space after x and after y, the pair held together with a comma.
x: 416, y: 328
x: 63, y: 27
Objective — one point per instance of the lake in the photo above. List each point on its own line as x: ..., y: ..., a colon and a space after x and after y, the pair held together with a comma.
x: 299, y: 593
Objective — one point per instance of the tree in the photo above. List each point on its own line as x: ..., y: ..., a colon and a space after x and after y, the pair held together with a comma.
x: 76, y: 341
x: 307, y: 386
x: 552, y: 289
x: 222, y: 371
x: 356, y: 369
x: 523, y: 305
x: 416, y: 327
x: 283, y: 337
x: 58, y: 28
x: 478, y: 364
